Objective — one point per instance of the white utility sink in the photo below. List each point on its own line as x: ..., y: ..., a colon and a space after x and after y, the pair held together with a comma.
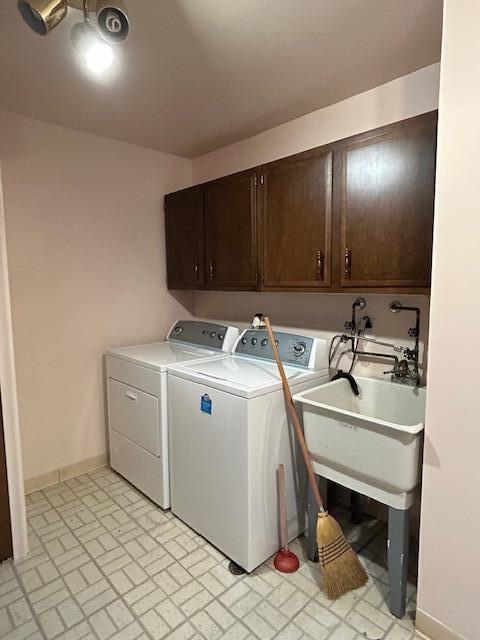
x: 371, y: 443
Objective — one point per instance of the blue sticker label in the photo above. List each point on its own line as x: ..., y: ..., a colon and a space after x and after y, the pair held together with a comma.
x: 206, y: 404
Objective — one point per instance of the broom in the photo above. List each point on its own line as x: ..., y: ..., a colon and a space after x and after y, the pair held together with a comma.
x: 342, y: 571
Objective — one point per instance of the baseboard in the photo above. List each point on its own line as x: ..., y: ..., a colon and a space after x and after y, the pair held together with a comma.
x: 56, y: 476
x: 48, y: 479
x: 77, y: 469
x: 433, y: 629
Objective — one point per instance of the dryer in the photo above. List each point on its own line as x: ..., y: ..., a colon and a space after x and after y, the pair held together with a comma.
x: 136, y: 380
x: 228, y: 434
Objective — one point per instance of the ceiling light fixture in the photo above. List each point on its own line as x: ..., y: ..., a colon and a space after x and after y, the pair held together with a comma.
x: 42, y: 15
x: 93, y: 44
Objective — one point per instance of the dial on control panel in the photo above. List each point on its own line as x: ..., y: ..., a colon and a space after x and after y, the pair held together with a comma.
x: 254, y: 341
x: 299, y: 349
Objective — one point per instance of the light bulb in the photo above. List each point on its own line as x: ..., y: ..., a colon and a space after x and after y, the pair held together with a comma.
x: 99, y: 57
x: 96, y: 53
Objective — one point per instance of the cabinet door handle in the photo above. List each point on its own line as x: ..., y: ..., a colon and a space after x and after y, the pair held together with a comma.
x: 211, y: 271
x: 195, y: 270
x: 131, y: 396
x: 348, y: 264
x: 320, y: 265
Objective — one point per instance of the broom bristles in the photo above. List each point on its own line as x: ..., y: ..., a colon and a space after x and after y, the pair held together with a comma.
x: 342, y: 571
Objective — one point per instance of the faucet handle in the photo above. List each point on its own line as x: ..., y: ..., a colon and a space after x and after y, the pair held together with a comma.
x: 396, y: 371
x: 400, y: 370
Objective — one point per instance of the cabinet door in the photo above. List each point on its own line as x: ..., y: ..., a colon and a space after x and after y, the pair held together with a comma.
x: 296, y: 205
x: 230, y: 228
x: 185, y: 238
x: 387, y: 199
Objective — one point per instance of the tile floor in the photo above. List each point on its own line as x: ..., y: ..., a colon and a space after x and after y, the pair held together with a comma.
x: 104, y: 563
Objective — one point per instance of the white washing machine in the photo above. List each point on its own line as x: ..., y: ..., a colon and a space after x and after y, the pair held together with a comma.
x: 228, y: 434
x: 137, y: 400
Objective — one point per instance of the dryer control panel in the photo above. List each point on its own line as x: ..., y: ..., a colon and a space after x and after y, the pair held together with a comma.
x: 204, y: 334
x: 293, y: 349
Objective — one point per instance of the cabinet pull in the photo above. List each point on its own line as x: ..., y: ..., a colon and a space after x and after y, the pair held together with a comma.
x: 195, y: 270
x: 211, y: 272
x: 348, y: 264
x: 319, y: 265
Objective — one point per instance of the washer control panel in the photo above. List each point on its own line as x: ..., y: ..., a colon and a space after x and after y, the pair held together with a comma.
x: 293, y: 349
x: 202, y: 334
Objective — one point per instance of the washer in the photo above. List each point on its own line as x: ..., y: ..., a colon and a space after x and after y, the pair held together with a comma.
x: 228, y: 434
x: 137, y: 400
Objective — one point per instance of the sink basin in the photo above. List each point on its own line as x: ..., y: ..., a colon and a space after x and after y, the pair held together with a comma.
x: 371, y: 443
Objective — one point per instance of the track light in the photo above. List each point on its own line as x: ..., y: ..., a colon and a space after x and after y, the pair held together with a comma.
x: 93, y: 44
x: 43, y: 15
x: 112, y: 20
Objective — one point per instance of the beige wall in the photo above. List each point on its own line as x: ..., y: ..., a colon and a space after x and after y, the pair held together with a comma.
x: 403, y: 98
x: 85, y: 242
x: 449, y: 589
x: 322, y: 314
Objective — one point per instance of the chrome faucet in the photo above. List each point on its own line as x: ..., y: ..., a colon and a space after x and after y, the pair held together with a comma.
x: 405, y: 371
x: 401, y: 372
x: 407, y: 374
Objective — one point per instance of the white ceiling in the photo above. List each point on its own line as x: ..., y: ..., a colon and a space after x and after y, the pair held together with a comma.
x: 195, y: 75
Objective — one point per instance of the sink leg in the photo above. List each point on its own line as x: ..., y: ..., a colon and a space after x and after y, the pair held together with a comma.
x: 398, y: 537
x: 312, y: 551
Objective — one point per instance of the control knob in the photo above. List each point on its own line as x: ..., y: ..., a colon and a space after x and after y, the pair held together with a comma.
x: 299, y: 349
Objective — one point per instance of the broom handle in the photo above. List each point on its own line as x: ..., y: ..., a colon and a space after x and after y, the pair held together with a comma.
x: 283, y: 507
x: 293, y: 415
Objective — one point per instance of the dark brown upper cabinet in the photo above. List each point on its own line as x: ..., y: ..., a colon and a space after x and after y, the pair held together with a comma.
x: 295, y: 206
x: 354, y: 215
x: 184, y: 232
x: 386, y: 184
x: 230, y: 232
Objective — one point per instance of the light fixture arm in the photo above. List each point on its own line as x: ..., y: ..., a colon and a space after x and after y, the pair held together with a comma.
x: 86, y: 11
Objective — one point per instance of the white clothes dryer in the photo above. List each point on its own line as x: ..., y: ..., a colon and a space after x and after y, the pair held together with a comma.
x: 137, y: 400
